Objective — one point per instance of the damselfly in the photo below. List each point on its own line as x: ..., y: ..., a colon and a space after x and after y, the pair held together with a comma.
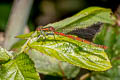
x: 52, y: 29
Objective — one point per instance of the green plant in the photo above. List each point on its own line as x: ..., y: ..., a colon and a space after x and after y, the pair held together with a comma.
x: 18, y: 66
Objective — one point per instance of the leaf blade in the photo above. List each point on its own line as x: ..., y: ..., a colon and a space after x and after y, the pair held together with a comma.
x: 50, y: 66
x: 4, y: 55
x: 21, y: 68
x: 74, y: 52
x: 83, y: 19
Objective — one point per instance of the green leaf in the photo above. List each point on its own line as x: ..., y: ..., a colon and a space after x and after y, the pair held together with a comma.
x: 107, y: 36
x: 116, y: 46
x: 112, y: 74
x: 83, y: 19
x: 75, y: 52
x: 4, y: 55
x: 100, y: 36
x: 20, y: 68
x: 51, y: 66
x: 110, y: 37
x: 112, y: 40
x: 18, y: 44
x: 24, y: 36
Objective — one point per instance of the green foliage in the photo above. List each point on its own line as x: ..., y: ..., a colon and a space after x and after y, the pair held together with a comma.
x: 20, y: 68
x: 75, y: 52
x: 51, y: 66
x: 112, y: 74
x: 83, y: 19
x: 4, y: 55
x: 65, y: 49
x: 111, y: 38
x: 107, y: 36
x: 18, y: 44
x: 25, y: 36
x: 99, y: 38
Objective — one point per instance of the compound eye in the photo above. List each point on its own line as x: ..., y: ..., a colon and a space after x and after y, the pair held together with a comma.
x: 38, y: 29
x: 52, y: 29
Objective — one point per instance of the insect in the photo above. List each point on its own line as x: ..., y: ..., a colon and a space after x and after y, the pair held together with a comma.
x: 50, y: 28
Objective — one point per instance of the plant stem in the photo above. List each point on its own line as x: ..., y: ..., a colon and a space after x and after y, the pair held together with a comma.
x: 85, y: 76
x: 17, y: 21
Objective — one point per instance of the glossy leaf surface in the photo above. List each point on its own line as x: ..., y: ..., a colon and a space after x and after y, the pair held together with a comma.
x: 112, y: 74
x: 111, y: 38
x: 47, y: 65
x: 75, y: 52
x: 4, y: 55
x: 83, y: 19
x: 20, y: 68
x: 25, y: 36
x: 50, y: 66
